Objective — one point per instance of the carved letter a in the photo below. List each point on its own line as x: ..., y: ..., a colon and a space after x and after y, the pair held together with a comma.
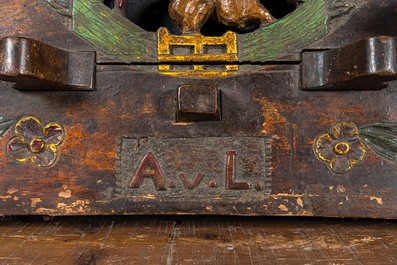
x: 149, y: 168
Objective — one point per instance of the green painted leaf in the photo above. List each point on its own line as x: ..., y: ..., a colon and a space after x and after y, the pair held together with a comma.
x: 113, y: 34
x: 382, y: 138
x: 5, y: 123
x: 304, y: 26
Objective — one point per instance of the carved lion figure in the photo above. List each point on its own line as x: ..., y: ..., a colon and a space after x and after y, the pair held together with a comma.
x: 190, y: 15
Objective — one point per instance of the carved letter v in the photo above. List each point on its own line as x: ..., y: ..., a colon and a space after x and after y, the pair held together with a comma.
x: 196, y: 181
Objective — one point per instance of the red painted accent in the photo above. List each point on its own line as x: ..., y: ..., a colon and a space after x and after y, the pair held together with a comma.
x: 212, y: 184
x: 149, y: 168
x: 231, y: 174
x: 258, y: 187
x: 37, y: 145
x: 172, y: 184
x: 196, y: 181
x: 120, y: 6
x: 342, y: 148
x: 55, y: 129
x: 120, y: 3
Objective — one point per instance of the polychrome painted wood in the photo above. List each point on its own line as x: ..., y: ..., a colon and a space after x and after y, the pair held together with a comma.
x: 275, y: 150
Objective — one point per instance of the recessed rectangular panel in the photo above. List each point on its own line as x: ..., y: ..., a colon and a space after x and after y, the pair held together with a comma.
x: 210, y: 168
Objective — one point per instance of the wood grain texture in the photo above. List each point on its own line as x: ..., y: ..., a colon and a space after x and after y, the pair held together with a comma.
x: 112, y: 33
x: 342, y: 27
x: 29, y: 19
x: 306, y: 25
x: 125, y: 42
x: 197, y: 240
x: 130, y: 105
x: 33, y: 65
x: 84, y: 179
x: 371, y: 64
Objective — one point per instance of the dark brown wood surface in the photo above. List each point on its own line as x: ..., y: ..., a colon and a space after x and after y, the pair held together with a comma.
x: 85, y: 178
x: 197, y: 240
x: 95, y: 175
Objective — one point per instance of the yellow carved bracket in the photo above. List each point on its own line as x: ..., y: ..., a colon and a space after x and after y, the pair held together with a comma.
x: 197, y: 55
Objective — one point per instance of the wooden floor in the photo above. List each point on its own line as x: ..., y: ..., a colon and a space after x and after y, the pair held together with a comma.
x: 196, y: 240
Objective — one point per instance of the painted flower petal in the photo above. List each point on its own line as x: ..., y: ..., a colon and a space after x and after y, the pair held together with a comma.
x: 18, y: 149
x: 345, y: 131
x: 324, y: 147
x: 45, y: 158
x: 341, y: 164
x: 29, y: 128
x: 357, y: 151
x: 53, y: 134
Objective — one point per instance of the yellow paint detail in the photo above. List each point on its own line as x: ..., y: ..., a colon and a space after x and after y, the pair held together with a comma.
x: 232, y: 67
x: 197, y: 58
x: 338, y: 148
x: 33, y: 151
x: 53, y: 148
x: 201, y: 74
x: 61, y: 137
x: 164, y: 67
x: 18, y: 125
x: 197, y: 54
x: 198, y: 40
x: 23, y: 160
x: 318, y: 146
x: 364, y: 152
x: 342, y: 148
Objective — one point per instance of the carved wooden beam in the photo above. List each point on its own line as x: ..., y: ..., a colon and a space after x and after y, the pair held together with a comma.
x: 33, y: 65
x: 366, y: 64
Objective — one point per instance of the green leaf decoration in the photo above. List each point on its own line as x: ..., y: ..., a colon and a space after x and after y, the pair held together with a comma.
x: 5, y: 123
x: 307, y: 24
x: 113, y: 34
x: 338, y: 8
x: 61, y: 6
x: 382, y: 138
